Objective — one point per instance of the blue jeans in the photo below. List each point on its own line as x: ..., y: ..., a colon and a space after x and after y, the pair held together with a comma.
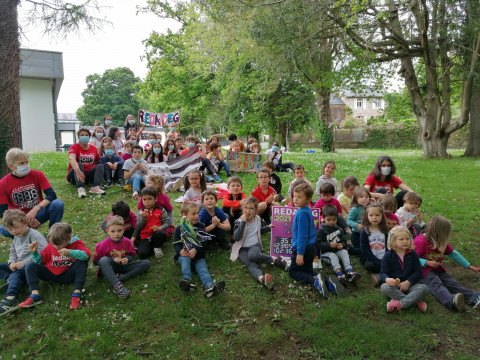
x: 200, y: 267
x: 223, y: 165
x: 136, y: 181
x: 53, y: 212
x: 16, y: 279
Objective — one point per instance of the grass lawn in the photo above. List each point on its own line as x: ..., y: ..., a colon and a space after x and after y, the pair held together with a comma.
x: 247, y: 321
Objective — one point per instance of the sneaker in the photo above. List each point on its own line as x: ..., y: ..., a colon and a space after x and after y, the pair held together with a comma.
x: 121, y: 291
x: 76, y: 301
x: 97, y: 190
x: 158, y: 252
x: 209, y: 179
x: 108, y: 183
x: 394, y: 305
x: 476, y: 302
x: 208, y: 293
x: 218, y: 287
x: 422, y: 306
x: 342, y: 278
x: 320, y: 285
x: 458, y: 303
x: 33, y: 300
x: 7, y: 306
x: 81, y: 192
x: 267, y: 281
x: 186, y: 285
x: 281, y: 263
x: 289, y: 170
x: 336, y: 287
x: 375, y: 279
x: 120, y: 182
x: 121, y: 277
x: 135, y: 196
x: 217, y: 179
x: 353, y: 276
x: 176, y: 185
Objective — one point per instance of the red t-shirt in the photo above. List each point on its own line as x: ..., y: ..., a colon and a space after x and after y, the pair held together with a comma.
x: 58, y: 264
x: 89, y: 157
x: 394, y: 183
x: 260, y: 195
x: 25, y: 192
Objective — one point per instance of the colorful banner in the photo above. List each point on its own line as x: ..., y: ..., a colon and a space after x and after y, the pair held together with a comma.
x: 244, y: 162
x: 158, y: 119
x: 282, y: 221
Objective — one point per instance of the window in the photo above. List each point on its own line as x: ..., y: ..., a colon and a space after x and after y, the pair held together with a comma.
x: 358, y: 103
x: 377, y: 104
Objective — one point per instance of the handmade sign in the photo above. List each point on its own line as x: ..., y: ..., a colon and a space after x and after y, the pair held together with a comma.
x: 282, y: 221
x: 244, y: 162
x: 158, y: 119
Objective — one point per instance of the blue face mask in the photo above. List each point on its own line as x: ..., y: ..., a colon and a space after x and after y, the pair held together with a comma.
x: 173, y: 129
x: 157, y: 151
x: 108, y: 122
x: 84, y: 139
x: 131, y: 122
x: 136, y: 161
x: 275, y: 148
x: 152, y: 141
x: 191, y: 144
x: 99, y: 135
x: 109, y: 152
x: 171, y: 147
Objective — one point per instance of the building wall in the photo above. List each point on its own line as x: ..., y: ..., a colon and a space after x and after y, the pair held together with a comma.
x: 36, y: 111
x: 367, y: 110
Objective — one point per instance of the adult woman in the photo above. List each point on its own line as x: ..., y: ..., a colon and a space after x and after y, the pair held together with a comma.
x: 83, y: 165
x: 382, y: 180
x: 275, y: 154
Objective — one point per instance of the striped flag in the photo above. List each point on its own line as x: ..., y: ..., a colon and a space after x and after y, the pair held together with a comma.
x: 176, y: 169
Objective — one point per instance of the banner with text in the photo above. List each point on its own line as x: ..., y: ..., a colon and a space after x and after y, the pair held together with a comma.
x: 282, y: 221
x: 244, y: 162
x: 158, y: 119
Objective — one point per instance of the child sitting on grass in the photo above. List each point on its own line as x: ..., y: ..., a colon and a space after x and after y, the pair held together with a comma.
x: 248, y: 243
x: 303, y: 243
x: 13, y: 271
x: 264, y: 194
x: 149, y: 234
x: 231, y: 203
x: 349, y: 184
x: 190, y: 253
x: 327, y: 192
x: 275, y: 181
x: 114, y: 256
x: 409, y: 214
x: 135, y: 171
x: 214, y: 219
x: 113, y: 166
x: 299, y: 172
x: 327, y: 171
x: 401, y: 272
x: 218, y: 160
x: 64, y: 261
x: 333, y: 246
x: 122, y: 209
x: 389, y: 204
x: 194, y: 184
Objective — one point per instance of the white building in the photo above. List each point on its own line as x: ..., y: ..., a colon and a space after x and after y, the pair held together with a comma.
x: 41, y: 76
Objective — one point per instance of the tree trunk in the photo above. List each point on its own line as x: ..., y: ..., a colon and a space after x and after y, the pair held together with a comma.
x: 473, y: 146
x: 323, y: 106
x: 9, y: 80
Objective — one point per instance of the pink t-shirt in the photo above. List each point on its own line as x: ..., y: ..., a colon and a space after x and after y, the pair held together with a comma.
x: 424, y: 251
x: 162, y: 201
x: 321, y: 203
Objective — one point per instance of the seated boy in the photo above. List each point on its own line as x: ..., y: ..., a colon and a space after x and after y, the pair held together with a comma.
x: 299, y: 172
x: 216, y: 157
x: 206, y: 163
x: 189, y: 252
x: 327, y: 192
x: 333, y: 246
x: 409, y: 214
x: 113, y: 166
x: 13, y: 271
x: 275, y: 181
x: 265, y: 195
x: 114, y: 256
x: 215, y: 220
x: 122, y: 209
x: 135, y: 171
x: 231, y: 203
x: 64, y: 261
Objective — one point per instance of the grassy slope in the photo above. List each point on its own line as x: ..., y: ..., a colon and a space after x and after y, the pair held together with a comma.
x: 248, y: 321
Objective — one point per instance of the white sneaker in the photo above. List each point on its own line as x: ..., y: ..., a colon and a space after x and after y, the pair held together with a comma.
x: 96, y: 190
x: 135, y: 196
x: 81, y: 192
x: 176, y: 185
x: 158, y: 252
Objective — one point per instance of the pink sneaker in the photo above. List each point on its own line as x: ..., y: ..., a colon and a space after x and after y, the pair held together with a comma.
x: 422, y: 306
x: 33, y: 300
x: 394, y: 305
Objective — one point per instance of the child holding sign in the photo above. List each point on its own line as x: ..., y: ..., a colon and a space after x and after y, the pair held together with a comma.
x: 248, y: 244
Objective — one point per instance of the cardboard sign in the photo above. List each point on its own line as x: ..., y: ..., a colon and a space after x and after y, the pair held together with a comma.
x: 245, y: 162
x: 281, y: 236
x: 158, y: 119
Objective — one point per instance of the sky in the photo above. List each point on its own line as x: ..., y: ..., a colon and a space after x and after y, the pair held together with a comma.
x: 118, y: 44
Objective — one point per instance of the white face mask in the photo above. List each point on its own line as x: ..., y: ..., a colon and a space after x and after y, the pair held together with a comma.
x: 385, y: 170
x: 22, y: 170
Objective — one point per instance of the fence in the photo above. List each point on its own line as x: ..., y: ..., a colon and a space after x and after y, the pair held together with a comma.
x: 345, y: 135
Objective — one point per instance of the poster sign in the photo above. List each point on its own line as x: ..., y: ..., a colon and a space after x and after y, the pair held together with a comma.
x: 281, y: 236
x: 158, y: 119
x: 244, y: 162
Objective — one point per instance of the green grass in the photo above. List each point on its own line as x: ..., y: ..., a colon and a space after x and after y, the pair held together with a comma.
x: 247, y: 321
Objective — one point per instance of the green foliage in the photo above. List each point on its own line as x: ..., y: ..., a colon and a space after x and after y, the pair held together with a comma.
x: 112, y: 93
x: 326, y: 137
x: 402, y: 135
x: 398, y: 106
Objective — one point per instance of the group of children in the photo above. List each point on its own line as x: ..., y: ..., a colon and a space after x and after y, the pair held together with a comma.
x: 406, y: 269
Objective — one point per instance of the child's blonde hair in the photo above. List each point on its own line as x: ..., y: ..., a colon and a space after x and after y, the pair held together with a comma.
x: 59, y: 233
x: 304, y: 188
x: 187, y: 206
x: 10, y: 217
x: 438, y: 230
x: 158, y: 182
x: 359, y: 191
x: 15, y: 154
x: 115, y: 220
x: 394, y: 233
x: 234, y: 144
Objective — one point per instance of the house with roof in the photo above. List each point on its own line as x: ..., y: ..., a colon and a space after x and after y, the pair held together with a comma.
x: 365, y: 104
x: 41, y: 77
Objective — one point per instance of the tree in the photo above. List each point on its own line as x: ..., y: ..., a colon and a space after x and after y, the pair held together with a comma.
x: 426, y: 33
x: 59, y: 17
x: 113, y: 93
